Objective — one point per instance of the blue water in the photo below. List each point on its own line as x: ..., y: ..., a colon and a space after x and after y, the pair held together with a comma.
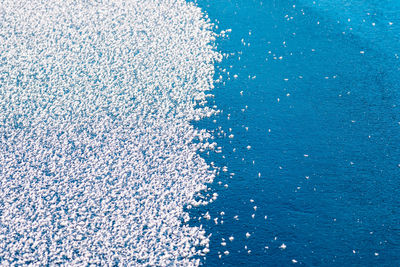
x: 326, y: 155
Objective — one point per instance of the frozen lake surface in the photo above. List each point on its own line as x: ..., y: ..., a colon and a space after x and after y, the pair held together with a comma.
x: 97, y: 153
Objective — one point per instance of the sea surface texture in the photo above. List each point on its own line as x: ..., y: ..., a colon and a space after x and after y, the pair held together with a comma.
x: 308, y: 138
x: 97, y: 153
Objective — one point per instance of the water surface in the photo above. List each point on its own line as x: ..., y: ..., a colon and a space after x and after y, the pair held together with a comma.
x: 315, y: 118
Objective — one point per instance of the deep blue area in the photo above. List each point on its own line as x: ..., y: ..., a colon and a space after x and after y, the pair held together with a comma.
x: 338, y: 84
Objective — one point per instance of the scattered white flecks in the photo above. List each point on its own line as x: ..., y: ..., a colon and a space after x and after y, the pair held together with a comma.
x: 231, y: 238
x: 251, y: 200
x: 354, y: 252
x: 255, y: 207
x: 265, y: 217
x: 306, y: 155
x: 236, y: 217
x: 294, y: 261
x: 362, y: 52
x: 215, y: 195
x: 376, y: 254
x: 248, y: 235
x: 226, y: 252
x: 223, y: 244
x: 278, y: 99
x: 390, y: 23
x: 222, y: 213
x: 283, y: 246
x: 259, y: 174
x: 253, y: 215
x: 307, y: 177
x: 248, y: 147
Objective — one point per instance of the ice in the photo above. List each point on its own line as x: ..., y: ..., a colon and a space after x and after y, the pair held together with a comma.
x: 96, y: 154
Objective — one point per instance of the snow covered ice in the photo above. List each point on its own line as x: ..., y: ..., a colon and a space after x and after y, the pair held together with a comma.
x: 97, y: 158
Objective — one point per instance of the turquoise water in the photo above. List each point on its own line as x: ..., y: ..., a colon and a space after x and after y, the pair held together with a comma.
x: 316, y: 131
